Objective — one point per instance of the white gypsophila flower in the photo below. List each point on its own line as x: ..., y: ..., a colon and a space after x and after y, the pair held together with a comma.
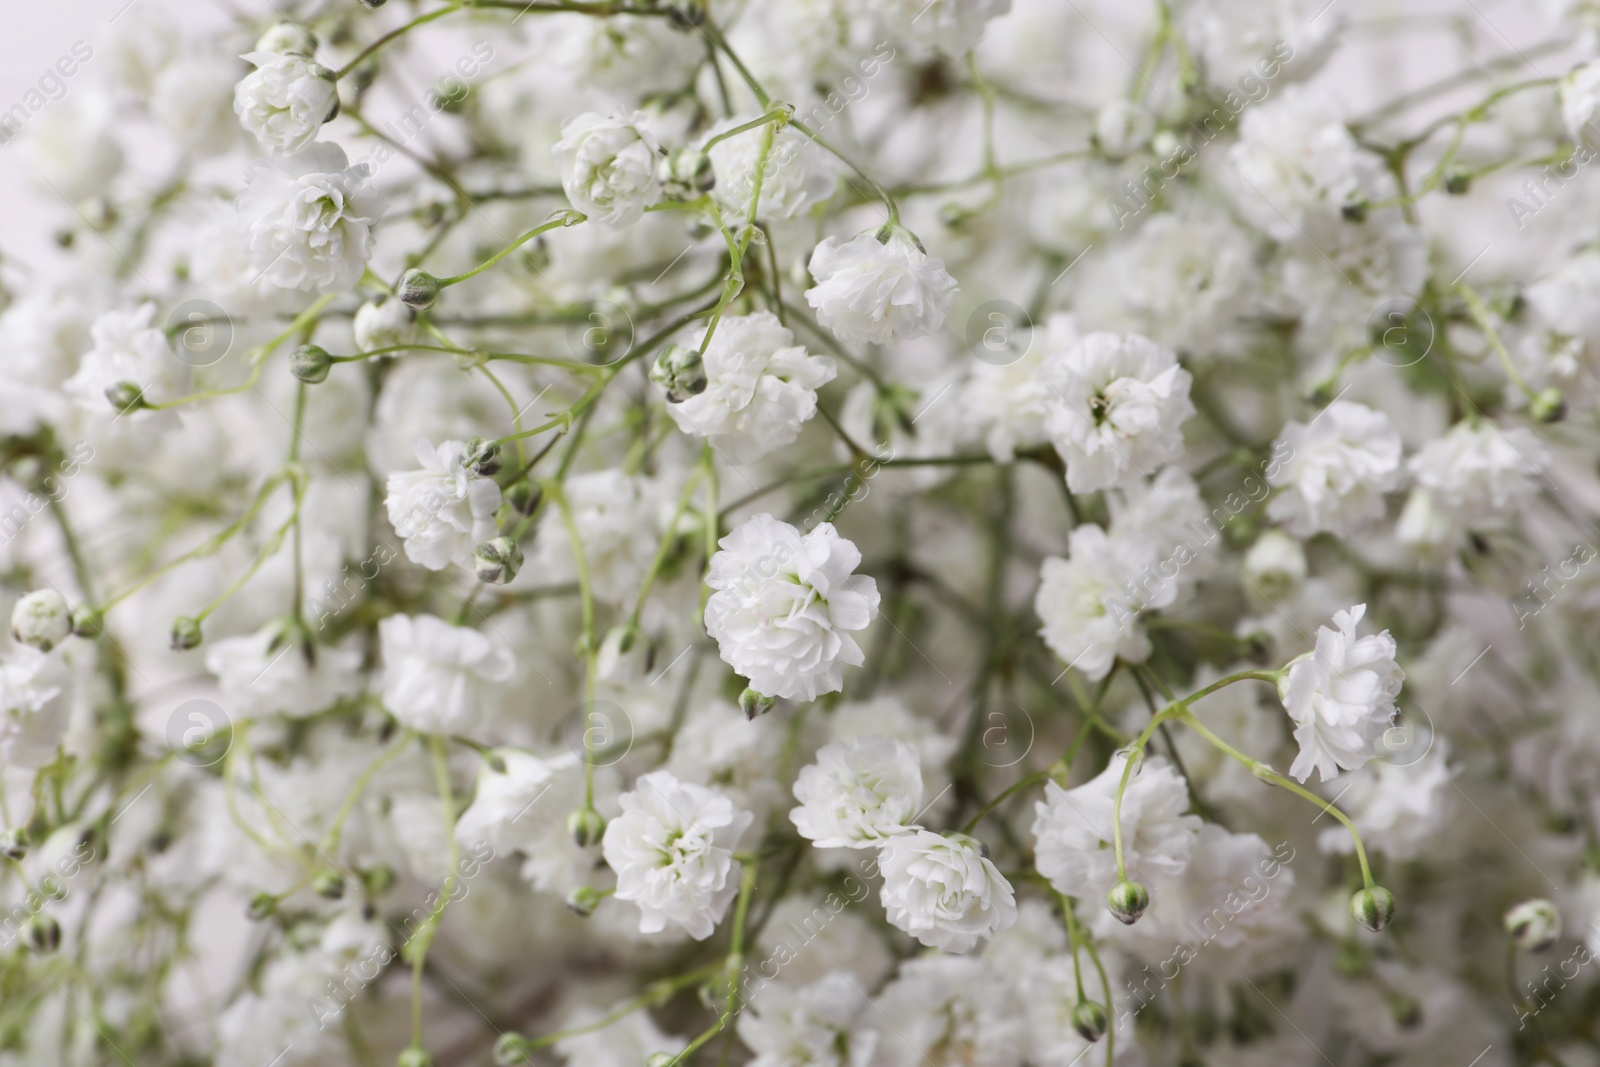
x: 856, y: 795
x: 632, y: 54
x: 796, y: 176
x: 71, y: 150
x: 443, y: 511
x: 1090, y: 601
x: 510, y: 783
x: 761, y: 388
x: 1580, y: 101
x: 785, y: 606
x: 1275, y: 565
x: 952, y: 26
x: 1245, y: 46
x: 1339, y: 466
x: 950, y: 1011
x: 943, y: 890
x: 190, y: 99
x: 1120, y: 410
x: 672, y: 851
x: 1169, y: 524
x: 1341, y: 695
x: 272, y: 671
x: 717, y: 745
x: 308, y: 218
x: 879, y: 287
x: 1015, y: 382
x: 1295, y: 159
x: 1425, y: 527
x: 608, y: 167
x: 127, y: 350
x: 626, y: 1042
x: 1074, y: 828
x: 1567, y: 298
x: 33, y: 707
x: 285, y: 100
x: 384, y: 322
x: 436, y: 675
x: 1478, y: 473
x: 823, y: 1024
x: 272, y: 1014
x: 520, y: 806
x: 1398, y: 805
x: 619, y: 523
x: 1122, y: 127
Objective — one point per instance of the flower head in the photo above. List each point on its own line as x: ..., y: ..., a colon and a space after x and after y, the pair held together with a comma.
x: 436, y: 676
x: 943, y: 890
x: 308, y: 218
x: 879, y: 287
x: 785, y: 606
x: 858, y: 794
x: 608, y: 167
x: 127, y: 350
x: 1338, y: 694
x: 1338, y: 468
x: 286, y: 99
x: 442, y: 512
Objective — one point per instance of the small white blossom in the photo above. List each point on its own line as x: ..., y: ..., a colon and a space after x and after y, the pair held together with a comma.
x: 785, y: 606
x: 190, y: 99
x: 761, y: 388
x: 270, y: 671
x: 1340, y: 695
x: 608, y: 167
x: 818, y: 1025
x: 127, y: 350
x: 950, y: 1011
x: 437, y: 676
x: 1275, y: 565
x: 856, y: 795
x: 42, y: 620
x: 384, y: 322
x: 33, y: 707
x: 1089, y: 602
x: 943, y: 890
x: 1297, y: 163
x: 797, y: 174
x: 443, y: 511
x: 629, y: 1041
x: 672, y: 849
x: 1580, y: 101
x: 285, y: 100
x: 1399, y: 806
x: 1481, y: 473
x: 308, y: 217
x: 1015, y: 383
x: 1338, y: 468
x: 952, y: 26
x: 1075, y: 828
x: 879, y: 287
x: 1120, y: 410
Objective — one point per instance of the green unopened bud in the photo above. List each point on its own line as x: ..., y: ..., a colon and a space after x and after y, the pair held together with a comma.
x: 1127, y: 901
x: 42, y: 934
x: 418, y: 289
x: 1534, y: 924
x: 186, y: 634
x: 373, y: 5
x: 1406, y: 1011
x: 512, y: 1050
x: 377, y: 879
x: 497, y: 561
x: 328, y: 884
x: 87, y: 621
x: 1089, y: 1019
x: 1548, y: 405
x: 686, y: 172
x: 1373, y: 908
x: 126, y: 397
x: 1457, y: 182
x: 415, y: 1056
x: 1354, y: 211
x: 753, y: 703
x: 584, y: 900
x: 687, y: 15
x: 310, y: 363
x: 586, y: 826
x: 524, y: 496
x: 483, y: 457
x: 679, y: 372
x: 14, y: 843
x: 263, y: 905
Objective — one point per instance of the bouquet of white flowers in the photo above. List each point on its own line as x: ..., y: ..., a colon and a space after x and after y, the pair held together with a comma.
x: 807, y: 533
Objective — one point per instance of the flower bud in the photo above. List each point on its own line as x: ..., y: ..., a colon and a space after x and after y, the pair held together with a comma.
x: 126, y: 397
x: 1534, y: 924
x: 753, y: 703
x: 687, y: 15
x: 383, y: 322
x: 497, y: 561
x: 288, y: 39
x: 415, y: 1056
x: 524, y: 496
x: 186, y: 634
x: 1548, y: 405
x: 685, y: 173
x: 1406, y: 1011
x: 1128, y: 900
x: 1457, y: 181
x: 373, y: 5
x: 512, y: 1050
x: 584, y: 900
x: 42, y: 933
x: 310, y: 363
x: 1373, y: 908
x: 680, y: 373
x: 87, y: 621
x: 418, y: 289
x: 1089, y: 1019
x: 1354, y: 210
x: 1121, y: 128
x: 586, y: 826
x: 483, y: 457
x: 377, y: 879
x: 41, y: 619
x: 328, y: 884
x: 263, y: 905
x: 14, y: 843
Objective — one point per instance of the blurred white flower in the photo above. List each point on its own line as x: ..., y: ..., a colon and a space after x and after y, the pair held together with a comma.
x: 1337, y: 469
x: 824, y: 1024
x: 272, y: 671
x: 127, y: 350
x: 857, y: 795
x: 436, y: 676
x: 1478, y: 473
